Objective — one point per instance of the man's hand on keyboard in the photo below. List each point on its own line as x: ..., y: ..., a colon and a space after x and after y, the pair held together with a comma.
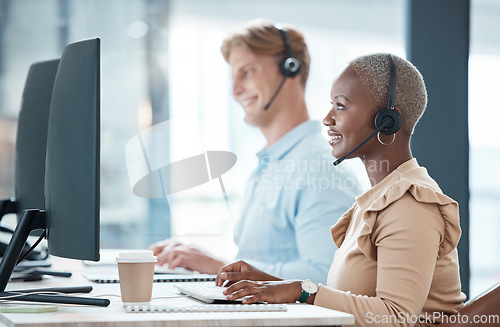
x: 176, y: 254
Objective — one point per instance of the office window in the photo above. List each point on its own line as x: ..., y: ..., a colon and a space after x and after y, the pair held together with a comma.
x: 161, y: 60
x: 484, y: 114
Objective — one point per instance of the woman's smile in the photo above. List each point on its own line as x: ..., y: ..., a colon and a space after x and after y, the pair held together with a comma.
x: 334, y: 137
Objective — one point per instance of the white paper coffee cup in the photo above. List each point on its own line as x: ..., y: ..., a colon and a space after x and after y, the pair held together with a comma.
x: 136, y: 272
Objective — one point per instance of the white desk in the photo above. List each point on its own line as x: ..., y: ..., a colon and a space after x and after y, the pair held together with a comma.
x: 165, y: 294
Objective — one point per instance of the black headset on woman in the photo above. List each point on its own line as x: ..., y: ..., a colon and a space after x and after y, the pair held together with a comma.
x: 388, y: 120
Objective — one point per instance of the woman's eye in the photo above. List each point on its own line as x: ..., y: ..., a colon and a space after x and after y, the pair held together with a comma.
x: 340, y: 106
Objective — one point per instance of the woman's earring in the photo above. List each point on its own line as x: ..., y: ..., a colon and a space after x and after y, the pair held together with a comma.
x: 393, y: 138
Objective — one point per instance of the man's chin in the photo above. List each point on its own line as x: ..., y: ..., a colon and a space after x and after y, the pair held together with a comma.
x: 251, y: 121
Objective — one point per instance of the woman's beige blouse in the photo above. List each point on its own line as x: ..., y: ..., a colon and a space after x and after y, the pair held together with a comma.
x: 397, y: 262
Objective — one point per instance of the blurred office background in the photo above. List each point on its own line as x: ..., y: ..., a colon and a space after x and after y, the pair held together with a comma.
x: 161, y: 60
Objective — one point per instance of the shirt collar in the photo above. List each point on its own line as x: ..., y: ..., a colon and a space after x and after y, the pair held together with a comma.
x: 390, y: 179
x: 279, y: 149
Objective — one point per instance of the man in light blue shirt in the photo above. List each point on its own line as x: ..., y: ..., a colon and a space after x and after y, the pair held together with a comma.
x: 295, y: 195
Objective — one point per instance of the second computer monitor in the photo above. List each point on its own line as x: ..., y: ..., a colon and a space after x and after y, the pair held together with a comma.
x: 73, y: 154
x: 31, y: 140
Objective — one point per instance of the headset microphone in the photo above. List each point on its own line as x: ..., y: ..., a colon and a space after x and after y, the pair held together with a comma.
x: 388, y: 120
x: 289, y: 66
x: 380, y: 128
x: 275, y: 93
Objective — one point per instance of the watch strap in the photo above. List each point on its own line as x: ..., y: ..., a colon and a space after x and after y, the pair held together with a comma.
x: 304, y: 296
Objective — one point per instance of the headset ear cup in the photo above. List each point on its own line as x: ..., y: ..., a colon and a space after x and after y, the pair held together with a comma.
x: 391, y: 114
x: 290, y: 67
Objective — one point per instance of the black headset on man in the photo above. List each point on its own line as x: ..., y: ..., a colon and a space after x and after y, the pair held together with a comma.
x: 289, y: 66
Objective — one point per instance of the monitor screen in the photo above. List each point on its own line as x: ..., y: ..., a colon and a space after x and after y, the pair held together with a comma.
x: 31, y: 137
x: 73, y: 154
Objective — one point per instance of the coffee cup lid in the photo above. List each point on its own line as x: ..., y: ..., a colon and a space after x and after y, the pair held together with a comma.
x: 136, y: 256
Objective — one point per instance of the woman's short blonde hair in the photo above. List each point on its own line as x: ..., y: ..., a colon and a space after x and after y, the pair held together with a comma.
x: 411, y: 95
x: 263, y: 39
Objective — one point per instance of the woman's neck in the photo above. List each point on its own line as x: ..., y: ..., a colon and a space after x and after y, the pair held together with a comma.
x: 380, y: 166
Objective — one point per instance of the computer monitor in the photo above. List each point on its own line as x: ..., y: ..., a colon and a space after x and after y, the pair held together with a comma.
x: 31, y: 139
x: 71, y: 216
x: 31, y: 144
x: 73, y: 154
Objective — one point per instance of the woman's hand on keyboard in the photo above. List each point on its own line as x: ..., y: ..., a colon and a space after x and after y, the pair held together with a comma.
x: 270, y: 292
x: 240, y: 270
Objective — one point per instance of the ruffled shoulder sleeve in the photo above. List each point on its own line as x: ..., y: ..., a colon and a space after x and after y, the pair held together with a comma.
x: 423, y: 194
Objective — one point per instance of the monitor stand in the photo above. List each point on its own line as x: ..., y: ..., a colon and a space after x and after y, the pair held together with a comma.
x: 33, y: 219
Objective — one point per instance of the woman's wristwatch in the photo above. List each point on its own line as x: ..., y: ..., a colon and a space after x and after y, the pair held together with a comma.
x: 308, y: 288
